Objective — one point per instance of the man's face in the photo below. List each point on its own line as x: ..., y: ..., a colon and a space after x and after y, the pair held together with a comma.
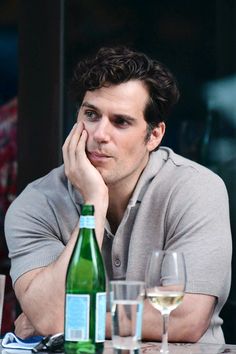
x: 113, y: 117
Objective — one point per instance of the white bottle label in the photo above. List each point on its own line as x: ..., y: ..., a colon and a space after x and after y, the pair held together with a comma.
x: 87, y: 221
x: 100, y: 317
x: 139, y: 321
x: 77, y: 317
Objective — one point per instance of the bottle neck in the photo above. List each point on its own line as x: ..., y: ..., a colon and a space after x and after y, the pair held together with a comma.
x: 87, y: 222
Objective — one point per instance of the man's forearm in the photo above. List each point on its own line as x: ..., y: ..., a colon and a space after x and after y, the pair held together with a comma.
x: 41, y: 293
x: 186, y: 324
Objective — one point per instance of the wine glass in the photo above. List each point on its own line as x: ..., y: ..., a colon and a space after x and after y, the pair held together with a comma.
x: 165, y: 285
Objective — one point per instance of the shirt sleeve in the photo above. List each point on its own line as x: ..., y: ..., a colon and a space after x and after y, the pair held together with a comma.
x: 32, y: 233
x: 198, y: 224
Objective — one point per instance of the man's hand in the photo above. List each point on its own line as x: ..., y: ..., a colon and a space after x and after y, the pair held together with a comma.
x: 85, y: 177
x: 79, y: 170
x: 23, y: 327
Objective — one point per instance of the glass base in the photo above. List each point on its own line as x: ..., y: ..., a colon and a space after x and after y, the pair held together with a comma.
x: 125, y: 343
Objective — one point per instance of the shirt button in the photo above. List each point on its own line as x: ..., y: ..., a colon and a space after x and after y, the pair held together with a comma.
x: 117, y: 262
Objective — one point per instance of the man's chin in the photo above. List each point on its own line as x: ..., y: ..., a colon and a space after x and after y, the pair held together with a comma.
x: 107, y: 178
x: 102, y: 172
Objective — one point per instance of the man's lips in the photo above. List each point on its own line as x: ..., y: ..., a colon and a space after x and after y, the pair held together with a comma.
x: 97, y: 156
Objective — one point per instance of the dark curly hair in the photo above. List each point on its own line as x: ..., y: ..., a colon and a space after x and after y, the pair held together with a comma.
x: 113, y: 66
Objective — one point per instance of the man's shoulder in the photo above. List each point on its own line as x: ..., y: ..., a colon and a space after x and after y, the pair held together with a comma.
x: 55, y: 179
x: 178, y: 172
x: 180, y: 165
x: 52, y: 188
x: 168, y: 172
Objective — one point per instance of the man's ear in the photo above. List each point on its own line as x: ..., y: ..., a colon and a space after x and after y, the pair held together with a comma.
x: 156, y: 136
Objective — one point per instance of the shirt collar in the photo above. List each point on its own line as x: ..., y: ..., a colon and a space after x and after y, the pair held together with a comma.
x: 155, y: 163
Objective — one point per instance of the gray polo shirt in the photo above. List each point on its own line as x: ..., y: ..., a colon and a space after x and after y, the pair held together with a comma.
x: 177, y: 205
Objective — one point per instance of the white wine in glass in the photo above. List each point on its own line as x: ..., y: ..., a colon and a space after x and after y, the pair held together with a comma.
x: 165, y: 285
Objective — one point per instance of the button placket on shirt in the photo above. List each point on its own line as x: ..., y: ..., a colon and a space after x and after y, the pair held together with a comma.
x: 117, y: 262
x: 121, y: 244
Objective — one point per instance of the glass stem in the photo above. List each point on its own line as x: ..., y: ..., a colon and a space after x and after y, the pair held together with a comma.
x: 164, y: 345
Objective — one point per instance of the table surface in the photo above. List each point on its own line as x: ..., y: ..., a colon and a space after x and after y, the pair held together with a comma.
x: 154, y: 348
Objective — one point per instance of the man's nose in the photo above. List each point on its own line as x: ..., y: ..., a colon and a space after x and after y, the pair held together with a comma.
x: 102, y: 130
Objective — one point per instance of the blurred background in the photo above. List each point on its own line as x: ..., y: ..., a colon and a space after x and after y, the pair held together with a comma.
x: 40, y: 43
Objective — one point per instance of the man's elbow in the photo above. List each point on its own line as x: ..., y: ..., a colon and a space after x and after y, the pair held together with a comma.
x: 193, y: 332
x: 50, y: 327
x: 48, y: 322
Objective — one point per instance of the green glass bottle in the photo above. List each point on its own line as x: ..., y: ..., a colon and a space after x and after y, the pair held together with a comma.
x: 85, y: 302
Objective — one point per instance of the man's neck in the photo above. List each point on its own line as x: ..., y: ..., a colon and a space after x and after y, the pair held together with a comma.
x: 119, y: 196
x: 118, y: 201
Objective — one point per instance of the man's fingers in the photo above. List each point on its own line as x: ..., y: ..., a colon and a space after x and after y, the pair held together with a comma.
x: 66, y: 143
x: 71, y: 143
x: 82, y: 142
x: 74, y: 152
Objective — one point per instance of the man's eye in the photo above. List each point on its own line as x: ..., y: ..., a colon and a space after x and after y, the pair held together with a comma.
x: 121, y: 122
x: 91, y: 115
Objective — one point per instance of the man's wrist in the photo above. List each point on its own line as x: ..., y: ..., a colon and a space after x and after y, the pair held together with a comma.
x: 100, y: 201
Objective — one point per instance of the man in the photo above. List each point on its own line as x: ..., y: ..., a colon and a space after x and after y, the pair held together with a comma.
x: 144, y: 199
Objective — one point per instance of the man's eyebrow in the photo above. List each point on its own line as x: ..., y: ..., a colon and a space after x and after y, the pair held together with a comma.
x: 86, y: 104
x: 89, y: 105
